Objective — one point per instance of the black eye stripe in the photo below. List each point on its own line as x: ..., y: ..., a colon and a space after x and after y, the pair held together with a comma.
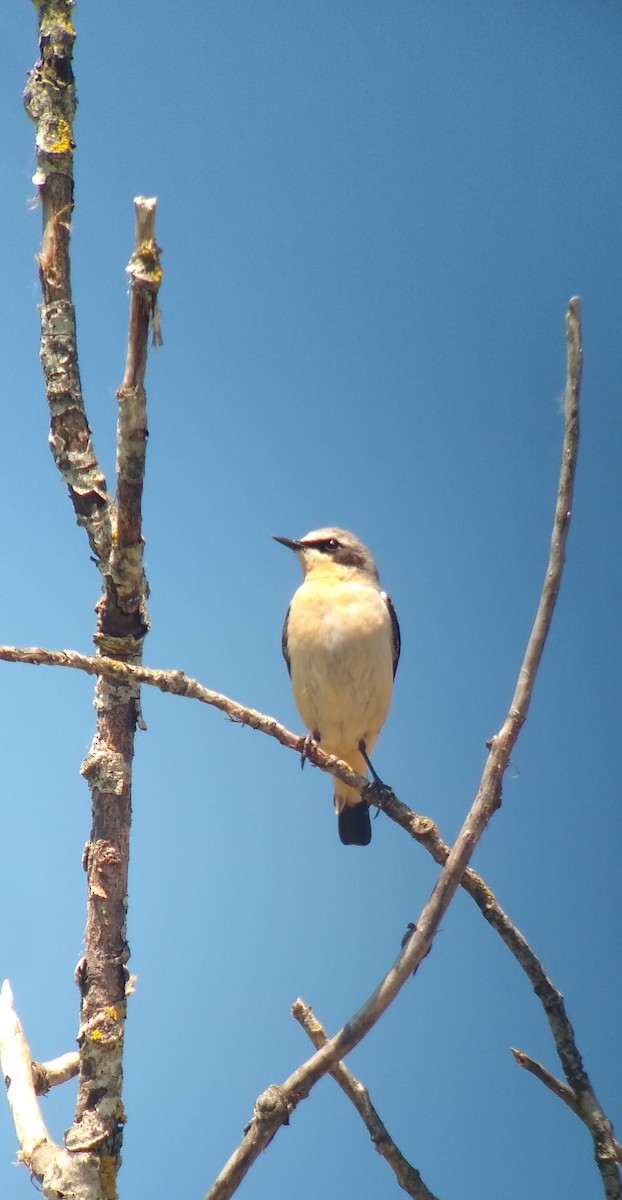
x: 325, y: 545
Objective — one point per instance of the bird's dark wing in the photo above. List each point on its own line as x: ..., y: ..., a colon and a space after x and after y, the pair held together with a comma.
x: 395, y: 630
x: 284, y: 645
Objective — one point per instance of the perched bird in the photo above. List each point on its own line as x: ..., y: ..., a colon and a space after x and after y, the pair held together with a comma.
x: 341, y: 643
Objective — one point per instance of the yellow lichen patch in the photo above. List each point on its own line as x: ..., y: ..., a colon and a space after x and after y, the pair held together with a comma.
x: 110, y: 1038
x: 482, y: 887
x: 59, y: 139
x: 108, y: 1165
x: 114, y: 1011
x: 65, y: 21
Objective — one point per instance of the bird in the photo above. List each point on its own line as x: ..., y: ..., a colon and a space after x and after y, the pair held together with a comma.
x: 341, y: 644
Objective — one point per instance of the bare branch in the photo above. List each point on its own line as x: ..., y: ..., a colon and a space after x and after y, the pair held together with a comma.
x: 127, y: 554
x: 146, y: 276
x: 122, y: 627
x: 129, y: 676
x: 407, y: 1176
x: 51, y: 103
x: 563, y: 514
x: 559, y: 1089
x: 47, y: 1075
x: 60, y: 1172
x: 15, y: 1058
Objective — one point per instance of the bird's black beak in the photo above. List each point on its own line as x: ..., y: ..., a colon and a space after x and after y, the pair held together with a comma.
x: 291, y: 545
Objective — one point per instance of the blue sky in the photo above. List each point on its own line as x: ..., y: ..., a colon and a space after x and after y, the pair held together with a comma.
x: 373, y: 216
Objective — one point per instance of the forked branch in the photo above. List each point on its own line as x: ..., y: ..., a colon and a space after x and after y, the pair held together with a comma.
x: 559, y: 1089
x: 114, y: 530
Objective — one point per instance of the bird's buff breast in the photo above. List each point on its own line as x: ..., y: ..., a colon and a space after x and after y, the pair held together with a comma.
x: 342, y: 671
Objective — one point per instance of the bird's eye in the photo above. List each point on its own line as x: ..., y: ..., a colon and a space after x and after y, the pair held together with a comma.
x: 332, y: 544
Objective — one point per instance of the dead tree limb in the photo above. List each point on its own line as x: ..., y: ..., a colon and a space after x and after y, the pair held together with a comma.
x: 114, y: 533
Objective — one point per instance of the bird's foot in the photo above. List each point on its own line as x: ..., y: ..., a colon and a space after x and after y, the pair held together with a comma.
x: 411, y: 929
x: 310, y: 743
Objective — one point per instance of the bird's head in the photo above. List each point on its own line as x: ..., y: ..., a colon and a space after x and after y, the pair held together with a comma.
x: 323, y: 548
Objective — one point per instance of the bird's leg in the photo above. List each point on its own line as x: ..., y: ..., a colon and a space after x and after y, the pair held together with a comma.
x: 377, y: 781
x: 309, y: 743
x: 376, y: 778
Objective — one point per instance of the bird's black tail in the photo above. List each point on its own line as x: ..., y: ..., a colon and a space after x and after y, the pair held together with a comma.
x: 354, y: 824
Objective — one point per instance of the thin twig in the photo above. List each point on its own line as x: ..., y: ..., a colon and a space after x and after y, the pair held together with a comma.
x: 407, y: 1176
x: 559, y: 1089
x: 273, y: 1107
x: 555, y: 1085
x: 563, y: 514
